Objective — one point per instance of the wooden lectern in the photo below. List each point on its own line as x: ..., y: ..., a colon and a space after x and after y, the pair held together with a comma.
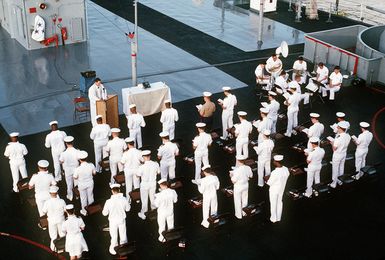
x: 108, y: 109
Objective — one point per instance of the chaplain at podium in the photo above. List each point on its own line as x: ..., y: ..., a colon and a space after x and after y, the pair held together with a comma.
x: 96, y: 92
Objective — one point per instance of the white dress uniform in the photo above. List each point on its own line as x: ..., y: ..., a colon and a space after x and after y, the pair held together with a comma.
x: 99, y: 134
x: 314, y: 157
x: 273, y: 108
x: 70, y: 161
x: 148, y: 172
x: 116, y: 208
x: 362, y: 142
x: 164, y: 201
x: 95, y: 93
x: 292, y: 112
x: 240, y: 178
x: 201, y: 153
x: 341, y: 142
x: 131, y: 160
x: 282, y: 82
x: 55, y: 141
x: 296, y: 84
x: 323, y: 74
x: 300, y: 67
x: 270, y: 63
x: 262, y: 125
x: 42, y: 181
x: 259, y: 73
x: 84, y: 174
x: 277, y: 183
x: 208, y: 187
x: 75, y: 244
x: 134, y: 124
x: 316, y: 130
x: 116, y: 147
x: 167, y: 152
x: 168, y: 118
x: 228, y: 104
x: 264, y: 150
x: 335, y: 78
x: 16, y: 151
x: 54, y: 208
x: 242, y: 131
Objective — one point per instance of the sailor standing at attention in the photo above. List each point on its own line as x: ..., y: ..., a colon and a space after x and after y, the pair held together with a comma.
x: 242, y: 132
x: 362, y: 142
x: 208, y: 187
x: 95, y: 93
x: 166, y: 154
x: 201, y: 144
x: 273, y: 108
x: 227, y: 104
x: 264, y: 150
x: 69, y: 160
x: 131, y: 160
x: 55, y: 141
x: 292, y: 110
x: 277, y: 183
x: 99, y: 134
x: 263, y: 124
x: 115, y: 208
x: 314, y: 164
x: 15, y: 152
x: 340, y: 117
x: 206, y: 111
x: 115, y: 148
x: 135, y: 122
x: 168, y: 119
x: 316, y: 130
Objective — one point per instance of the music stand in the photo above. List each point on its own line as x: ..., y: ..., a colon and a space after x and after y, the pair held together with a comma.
x: 315, y: 90
x: 126, y: 249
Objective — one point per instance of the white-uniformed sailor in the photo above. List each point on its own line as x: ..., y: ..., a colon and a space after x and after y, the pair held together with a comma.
x: 362, y: 141
x: 227, y: 104
x: 54, y: 208
x: 292, y: 110
x: 322, y: 73
x: 168, y: 119
x: 131, y: 161
x: 15, y: 152
x: 55, y: 141
x: 316, y: 130
x: 201, y: 143
x: 75, y: 244
x: 99, y: 134
x: 263, y: 124
x: 164, y: 201
x: 335, y: 82
x: 300, y: 67
x: 295, y: 84
x: 115, y: 148
x: 166, y: 154
x: 147, y: 173
x: 340, y: 117
x: 260, y: 76
x: 115, y: 208
x: 69, y: 160
x: 208, y: 187
x: 340, y: 145
x: 41, y: 181
x: 273, y: 108
x: 277, y: 183
x: 95, y: 93
x: 84, y: 175
x: 264, y: 150
x: 314, y: 164
x: 242, y: 132
x: 281, y: 81
x: 135, y: 122
x: 240, y: 178
x: 274, y: 65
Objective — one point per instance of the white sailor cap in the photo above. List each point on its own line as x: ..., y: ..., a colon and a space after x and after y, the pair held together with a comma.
x: 340, y: 114
x: 132, y: 106
x: 146, y: 152
x: 14, y: 134
x: 200, y: 125
x: 53, y: 189
x: 226, y: 88
x: 278, y: 158
x: 98, y: 116
x: 115, y: 185
x: 207, y: 94
x: 69, y: 139
x: 241, y: 157
x: 129, y: 140
x: 267, y: 132
x: 43, y: 163
x: 161, y: 181
x: 242, y: 113
x: 264, y: 110
x: 272, y: 93
x: 293, y: 86
x: 314, y: 139
x: 343, y: 124
x: 167, y: 101
x: 53, y: 123
x: 115, y: 130
x: 164, y: 134
x: 206, y: 167
x: 314, y: 115
x: 82, y: 155
x: 69, y: 206
x: 364, y: 124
